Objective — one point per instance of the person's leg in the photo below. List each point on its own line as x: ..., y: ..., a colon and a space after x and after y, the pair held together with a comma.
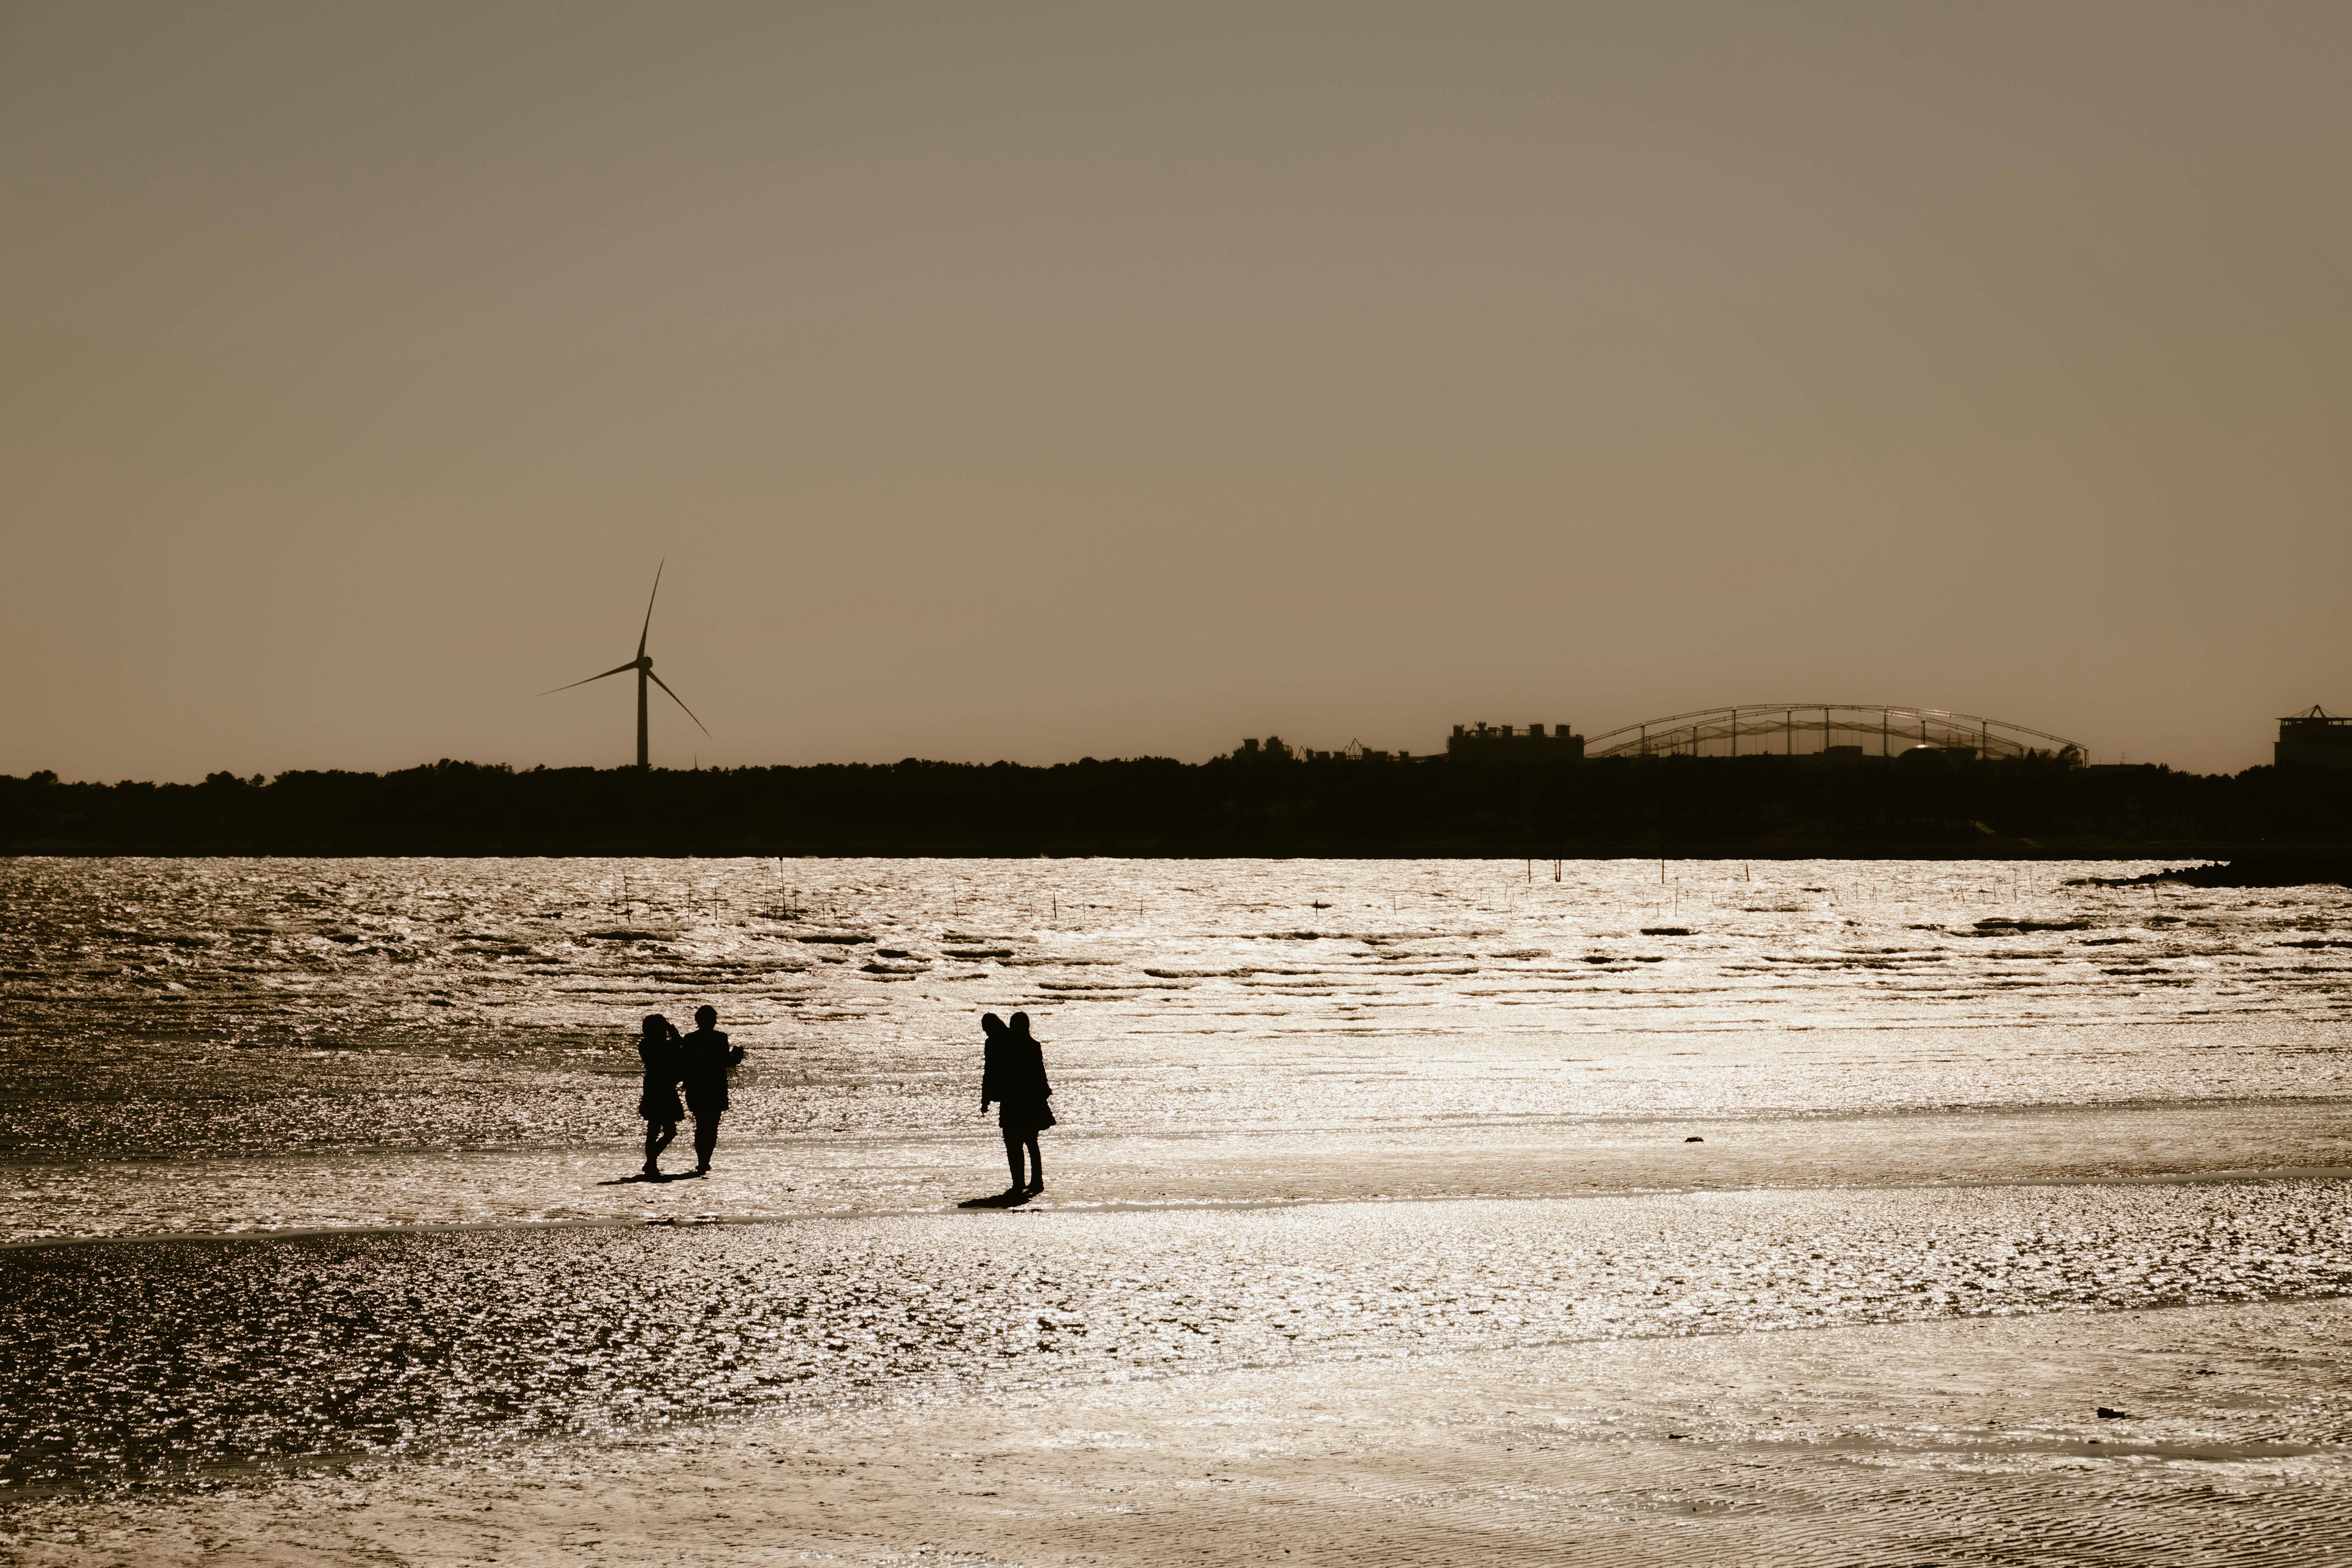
x: 1012, y: 1157
x: 1036, y: 1166
x: 654, y: 1141
x: 706, y: 1138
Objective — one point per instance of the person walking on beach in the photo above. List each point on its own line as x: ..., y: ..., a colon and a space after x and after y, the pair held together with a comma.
x: 704, y: 1060
x: 1013, y: 1075
x: 657, y: 1101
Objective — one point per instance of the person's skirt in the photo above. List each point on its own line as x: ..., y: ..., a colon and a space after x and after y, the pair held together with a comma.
x: 1024, y: 1116
x: 660, y: 1105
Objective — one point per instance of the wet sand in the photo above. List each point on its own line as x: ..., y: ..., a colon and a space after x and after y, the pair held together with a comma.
x: 154, y: 1362
x: 770, y: 1178
x: 1373, y: 1233
x: 1950, y: 1442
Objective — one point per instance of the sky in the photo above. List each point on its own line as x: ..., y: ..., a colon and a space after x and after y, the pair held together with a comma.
x: 1032, y: 382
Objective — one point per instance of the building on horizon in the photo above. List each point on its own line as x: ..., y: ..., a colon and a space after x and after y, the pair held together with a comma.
x: 1484, y: 741
x: 1470, y: 742
x: 2315, y: 739
x: 1275, y: 749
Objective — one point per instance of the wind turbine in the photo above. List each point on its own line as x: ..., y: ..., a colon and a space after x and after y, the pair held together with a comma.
x: 644, y: 668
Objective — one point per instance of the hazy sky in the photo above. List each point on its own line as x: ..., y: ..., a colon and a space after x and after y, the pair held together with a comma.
x: 1030, y: 381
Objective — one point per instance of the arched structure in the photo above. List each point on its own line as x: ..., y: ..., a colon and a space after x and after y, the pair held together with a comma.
x: 1814, y: 729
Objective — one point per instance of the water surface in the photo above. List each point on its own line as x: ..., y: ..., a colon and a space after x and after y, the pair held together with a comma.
x: 1311, y: 1110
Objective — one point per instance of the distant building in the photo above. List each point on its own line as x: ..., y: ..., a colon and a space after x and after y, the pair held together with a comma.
x: 2315, y: 739
x: 1501, y: 742
x: 1274, y: 748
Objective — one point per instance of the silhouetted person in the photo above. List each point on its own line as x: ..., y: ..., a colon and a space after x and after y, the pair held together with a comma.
x: 994, y: 1036
x: 1012, y: 1073
x: 657, y: 1101
x: 704, y: 1058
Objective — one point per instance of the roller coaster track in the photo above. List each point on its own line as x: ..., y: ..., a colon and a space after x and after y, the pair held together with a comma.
x: 1801, y: 729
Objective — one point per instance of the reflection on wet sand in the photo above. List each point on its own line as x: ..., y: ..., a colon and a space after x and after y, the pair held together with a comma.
x: 1318, y: 1121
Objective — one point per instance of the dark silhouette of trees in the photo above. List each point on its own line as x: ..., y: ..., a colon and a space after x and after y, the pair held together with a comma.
x: 1256, y: 804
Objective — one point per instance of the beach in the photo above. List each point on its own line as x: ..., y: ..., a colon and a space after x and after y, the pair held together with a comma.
x: 1973, y: 1441
x: 1427, y: 1212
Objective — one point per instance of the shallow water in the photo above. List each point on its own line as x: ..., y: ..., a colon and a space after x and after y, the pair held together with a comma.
x: 1925, y: 1090
x: 194, y: 1015
x: 157, y: 1360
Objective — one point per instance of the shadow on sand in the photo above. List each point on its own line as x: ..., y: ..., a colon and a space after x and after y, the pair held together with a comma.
x: 1012, y: 1200
x: 656, y: 1176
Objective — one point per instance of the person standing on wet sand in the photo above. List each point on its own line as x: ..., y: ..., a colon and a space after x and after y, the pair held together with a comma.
x: 657, y: 1101
x: 1012, y: 1073
x: 704, y: 1061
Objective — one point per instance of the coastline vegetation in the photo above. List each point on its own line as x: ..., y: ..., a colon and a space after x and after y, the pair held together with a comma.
x: 1243, y: 805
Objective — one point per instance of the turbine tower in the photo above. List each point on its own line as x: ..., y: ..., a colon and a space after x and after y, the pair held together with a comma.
x: 644, y: 668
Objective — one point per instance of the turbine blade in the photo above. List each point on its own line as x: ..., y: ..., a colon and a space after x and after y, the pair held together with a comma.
x: 674, y: 697
x: 615, y: 670
x: 647, y: 629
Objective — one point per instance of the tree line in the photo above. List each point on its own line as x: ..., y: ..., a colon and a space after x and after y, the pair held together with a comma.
x: 1239, y: 804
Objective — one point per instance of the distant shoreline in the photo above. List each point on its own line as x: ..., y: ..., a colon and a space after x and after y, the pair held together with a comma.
x: 1231, y: 807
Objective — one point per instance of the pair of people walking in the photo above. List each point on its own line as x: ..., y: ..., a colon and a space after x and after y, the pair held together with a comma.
x: 1012, y: 1076
x: 699, y: 1063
